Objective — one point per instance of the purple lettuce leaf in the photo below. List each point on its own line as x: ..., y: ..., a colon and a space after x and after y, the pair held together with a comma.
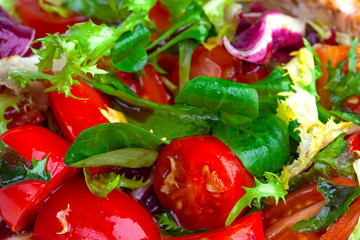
x: 272, y: 32
x: 14, y: 38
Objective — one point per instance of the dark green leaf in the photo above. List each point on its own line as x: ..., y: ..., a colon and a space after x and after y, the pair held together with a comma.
x: 14, y: 168
x: 220, y: 95
x: 128, y: 53
x: 273, y: 187
x: 353, y: 55
x: 341, y: 85
x: 168, y: 122
x: 112, y: 136
x: 348, y: 116
x: 176, y: 7
x: 262, y: 147
x: 98, y: 9
x: 186, y: 49
x: 325, y: 115
x: 337, y: 201
x: 168, y: 225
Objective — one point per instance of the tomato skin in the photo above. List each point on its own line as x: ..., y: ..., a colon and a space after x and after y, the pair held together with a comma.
x: 200, y: 179
x: 354, y: 141
x: 298, y: 204
x: 19, y: 203
x: 34, y: 16
x: 89, y: 217
x: 76, y: 115
x: 246, y: 228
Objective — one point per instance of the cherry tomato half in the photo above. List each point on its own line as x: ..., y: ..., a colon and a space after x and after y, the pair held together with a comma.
x: 19, y: 203
x: 200, y: 179
x: 246, y: 228
x: 73, y: 212
x: 34, y: 16
x: 300, y: 205
x: 76, y: 115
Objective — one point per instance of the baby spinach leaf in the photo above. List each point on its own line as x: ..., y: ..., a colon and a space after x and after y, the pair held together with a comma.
x: 337, y: 201
x: 342, y: 85
x: 112, y: 136
x: 14, y: 168
x: 125, y: 157
x: 262, y: 147
x: 220, y: 95
x: 168, y: 122
x: 272, y: 188
x: 347, y: 116
x: 128, y: 53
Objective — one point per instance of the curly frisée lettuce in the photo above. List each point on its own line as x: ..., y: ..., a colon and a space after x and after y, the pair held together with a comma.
x: 300, y: 105
x: 272, y: 188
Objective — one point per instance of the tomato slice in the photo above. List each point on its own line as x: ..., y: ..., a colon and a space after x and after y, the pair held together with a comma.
x: 73, y: 212
x: 300, y: 204
x: 34, y: 16
x: 75, y: 115
x: 200, y: 179
x: 354, y: 141
x: 20, y: 203
x: 246, y: 228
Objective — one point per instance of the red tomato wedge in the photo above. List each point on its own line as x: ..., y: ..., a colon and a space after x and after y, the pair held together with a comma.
x: 73, y: 212
x: 20, y: 203
x: 200, y: 179
x: 246, y: 228
x: 35, y: 17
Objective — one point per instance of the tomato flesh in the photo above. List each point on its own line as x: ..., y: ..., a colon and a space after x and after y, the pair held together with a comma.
x: 19, y: 203
x: 246, y: 228
x: 34, y: 16
x: 86, y: 216
x: 200, y: 179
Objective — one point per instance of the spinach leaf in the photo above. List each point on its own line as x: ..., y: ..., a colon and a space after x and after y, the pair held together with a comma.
x: 337, y: 201
x: 220, y: 95
x: 86, y: 150
x: 348, y: 116
x: 262, y: 147
x: 128, y: 53
x: 98, y: 9
x: 168, y: 122
x: 342, y: 85
x: 186, y: 50
x: 14, y: 168
x: 333, y: 161
x: 272, y: 188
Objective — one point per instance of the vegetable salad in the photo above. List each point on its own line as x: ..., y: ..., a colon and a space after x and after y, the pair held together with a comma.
x: 196, y: 119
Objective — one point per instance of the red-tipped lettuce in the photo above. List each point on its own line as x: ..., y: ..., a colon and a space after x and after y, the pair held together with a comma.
x: 272, y: 32
x: 14, y: 38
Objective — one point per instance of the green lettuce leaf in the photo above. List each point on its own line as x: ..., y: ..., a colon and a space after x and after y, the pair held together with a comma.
x: 262, y: 146
x: 337, y: 201
x: 220, y: 95
x: 272, y: 188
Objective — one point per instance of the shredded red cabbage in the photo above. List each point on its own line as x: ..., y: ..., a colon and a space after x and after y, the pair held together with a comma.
x: 14, y: 38
x: 260, y: 35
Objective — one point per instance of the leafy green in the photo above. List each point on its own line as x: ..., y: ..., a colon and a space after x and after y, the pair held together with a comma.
x: 128, y: 53
x: 86, y: 150
x: 337, y: 201
x: 55, y: 7
x: 333, y: 161
x: 176, y: 7
x: 272, y: 188
x: 9, y: 6
x: 348, y: 116
x: 214, y: 10
x: 342, y: 85
x: 168, y: 225
x: 98, y: 9
x: 168, y: 122
x: 14, y: 168
x: 105, y: 183
x: 262, y: 146
x: 6, y: 100
x: 186, y: 50
x: 220, y: 95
